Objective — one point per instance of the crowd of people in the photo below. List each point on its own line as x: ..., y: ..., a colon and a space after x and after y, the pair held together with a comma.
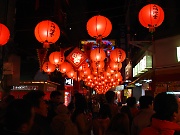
x: 32, y: 115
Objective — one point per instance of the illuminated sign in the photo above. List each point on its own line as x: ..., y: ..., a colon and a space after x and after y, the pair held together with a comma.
x: 143, y: 66
x: 76, y: 57
x: 178, y: 54
x: 25, y: 87
x: 68, y: 82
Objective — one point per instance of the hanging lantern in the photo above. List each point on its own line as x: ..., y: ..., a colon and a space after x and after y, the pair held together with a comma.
x: 115, y: 65
x: 71, y: 73
x: 97, y: 54
x: 56, y: 58
x: 65, y: 67
x: 47, y: 32
x: 97, y: 65
x: 4, y: 34
x: 99, y: 27
x: 151, y: 16
x: 117, y: 55
x: 48, y: 67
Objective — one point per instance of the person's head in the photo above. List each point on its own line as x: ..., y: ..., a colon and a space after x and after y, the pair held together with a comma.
x: 146, y: 102
x: 110, y: 96
x: 36, y: 98
x: 166, y: 107
x: 80, y: 102
x: 131, y: 102
x: 55, y: 97
x: 19, y: 116
x: 105, y: 111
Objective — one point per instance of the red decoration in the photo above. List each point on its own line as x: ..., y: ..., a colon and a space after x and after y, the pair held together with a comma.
x: 97, y: 54
x: 41, y: 56
x: 76, y: 57
x: 99, y: 27
x: 151, y: 16
x: 48, y: 67
x: 65, y: 67
x: 47, y: 32
x: 4, y: 34
x: 56, y: 57
x: 117, y: 55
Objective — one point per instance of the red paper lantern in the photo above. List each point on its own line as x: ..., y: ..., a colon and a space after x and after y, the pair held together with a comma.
x: 48, y: 67
x: 47, y: 32
x: 56, y: 58
x: 117, y: 55
x: 97, y: 54
x: 99, y: 26
x: 65, y: 67
x: 151, y: 16
x: 4, y: 34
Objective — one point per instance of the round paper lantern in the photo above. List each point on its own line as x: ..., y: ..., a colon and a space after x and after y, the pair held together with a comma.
x: 56, y: 58
x: 97, y: 54
x: 99, y: 26
x: 48, y: 67
x: 117, y: 55
x: 71, y: 73
x: 65, y: 67
x: 4, y: 34
x: 151, y: 16
x: 115, y: 65
x: 47, y: 32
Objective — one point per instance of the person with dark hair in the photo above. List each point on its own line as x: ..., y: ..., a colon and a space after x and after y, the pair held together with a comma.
x: 19, y: 118
x: 143, y: 118
x: 41, y: 126
x: 61, y: 124
x: 110, y: 98
x: 119, y: 125
x: 101, y: 123
x: 132, y: 104
x: 80, y: 116
x: 55, y: 100
x: 166, y: 117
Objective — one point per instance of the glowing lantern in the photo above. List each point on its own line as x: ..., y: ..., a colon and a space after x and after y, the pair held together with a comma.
x: 115, y: 65
x: 4, y: 34
x: 47, y: 32
x: 97, y: 65
x: 151, y: 16
x: 65, y: 67
x: 97, y: 54
x: 83, y: 66
x: 48, y: 67
x: 99, y: 27
x: 56, y: 58
x: 117, y: 55
x: 71, y: 73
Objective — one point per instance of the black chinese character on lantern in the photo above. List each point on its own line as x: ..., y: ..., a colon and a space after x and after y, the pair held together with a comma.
x: 155, y: 12
x: 52, y: 30
x: 120, y: 54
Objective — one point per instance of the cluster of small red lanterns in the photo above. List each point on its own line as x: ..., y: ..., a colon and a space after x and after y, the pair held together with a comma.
x: 95, y: 72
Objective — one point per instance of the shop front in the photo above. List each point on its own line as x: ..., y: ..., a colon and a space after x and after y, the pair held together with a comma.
x: 24, y: 87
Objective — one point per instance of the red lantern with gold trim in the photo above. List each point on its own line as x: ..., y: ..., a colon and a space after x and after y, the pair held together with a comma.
x: 4, y: 34
x: 47, y: 32
x: 151, y: 16
x: 99, y: 26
